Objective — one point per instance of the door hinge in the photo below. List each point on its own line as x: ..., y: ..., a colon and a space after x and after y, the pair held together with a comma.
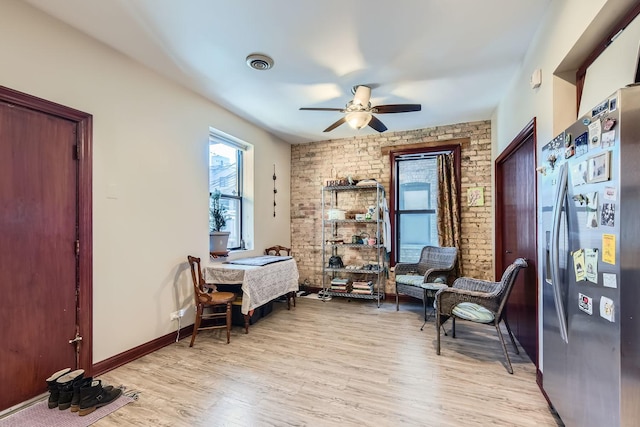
x: 76, y: 151
x: 77, y: 247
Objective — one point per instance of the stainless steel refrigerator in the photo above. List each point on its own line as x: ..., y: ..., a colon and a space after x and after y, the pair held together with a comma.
x: 589, y: 185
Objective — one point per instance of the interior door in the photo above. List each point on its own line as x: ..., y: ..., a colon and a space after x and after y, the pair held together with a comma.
x: 516, y: 234
x: 39, y: 250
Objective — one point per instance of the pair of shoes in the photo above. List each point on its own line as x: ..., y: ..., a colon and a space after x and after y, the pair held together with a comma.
x: 64, y: 387
x: 94, y: 396
x: 85, y: 382
x: 52, y: 385
x: 60, y: 385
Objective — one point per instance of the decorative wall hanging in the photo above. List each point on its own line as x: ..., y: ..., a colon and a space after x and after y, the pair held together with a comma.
x: 275, y: 191
x: 475, y: 196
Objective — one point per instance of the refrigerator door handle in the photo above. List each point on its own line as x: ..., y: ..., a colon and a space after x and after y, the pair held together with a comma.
x: 560, y: 197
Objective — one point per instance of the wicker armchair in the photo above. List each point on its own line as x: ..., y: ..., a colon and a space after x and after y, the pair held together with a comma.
x: 436, y: 265
x: 479, y: 301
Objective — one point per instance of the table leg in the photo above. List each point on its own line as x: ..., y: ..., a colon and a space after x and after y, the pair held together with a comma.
x: 246, y: 323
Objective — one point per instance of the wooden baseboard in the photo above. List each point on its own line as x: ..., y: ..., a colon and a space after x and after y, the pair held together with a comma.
x: 139, y: 351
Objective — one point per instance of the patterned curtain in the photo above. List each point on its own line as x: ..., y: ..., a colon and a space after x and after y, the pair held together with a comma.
x: 449, y: 229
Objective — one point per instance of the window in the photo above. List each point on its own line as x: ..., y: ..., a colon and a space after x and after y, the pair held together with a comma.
x: 416, y: 201
x: 226, y: 155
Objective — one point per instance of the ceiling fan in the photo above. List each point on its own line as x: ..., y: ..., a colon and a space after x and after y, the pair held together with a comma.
x: 359, y: 112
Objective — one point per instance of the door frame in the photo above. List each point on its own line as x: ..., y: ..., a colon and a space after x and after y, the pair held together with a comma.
x: 529, y: 131
x: 84, y: 128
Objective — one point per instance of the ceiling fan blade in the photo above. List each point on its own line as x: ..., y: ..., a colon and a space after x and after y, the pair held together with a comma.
x: 397, y: 108
x: 335, y: 125
x: 377, y: 124
x: 323, y: 109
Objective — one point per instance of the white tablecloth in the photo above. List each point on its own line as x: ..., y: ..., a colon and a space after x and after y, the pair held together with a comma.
x: 259, y: 284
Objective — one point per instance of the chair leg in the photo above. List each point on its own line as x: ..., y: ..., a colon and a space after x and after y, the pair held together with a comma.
x: 453, y: 326
x: 228, y: 322
x: 424, y: 308
x: 513, y: 340
x: 196, y: 325
x: 504, y: 347
x: 293, y: 295
x: 397, y: 301
x: 438, y: 325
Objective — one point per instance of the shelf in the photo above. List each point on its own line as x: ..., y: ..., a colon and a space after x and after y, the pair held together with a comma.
x: 374, y: 295
x: 354, y: 245
x: 353, y: 221
x: 336, y: 231
x: 349, y: 270
x: 353, y: 187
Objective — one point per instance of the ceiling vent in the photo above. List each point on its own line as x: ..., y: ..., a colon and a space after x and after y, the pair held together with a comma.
x: 260, y: 62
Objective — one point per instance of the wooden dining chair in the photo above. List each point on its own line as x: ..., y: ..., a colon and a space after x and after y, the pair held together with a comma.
x: 278, y: 250
x: 218, y: 302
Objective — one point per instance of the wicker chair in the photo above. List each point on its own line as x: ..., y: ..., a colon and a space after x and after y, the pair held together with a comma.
x: 436, y: 266
x: 479, y: 301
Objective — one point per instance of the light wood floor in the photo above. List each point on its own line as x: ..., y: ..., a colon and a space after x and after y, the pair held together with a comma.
x: 333, y: 363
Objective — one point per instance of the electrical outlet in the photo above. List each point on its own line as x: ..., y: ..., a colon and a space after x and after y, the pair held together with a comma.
x: 177, y: 314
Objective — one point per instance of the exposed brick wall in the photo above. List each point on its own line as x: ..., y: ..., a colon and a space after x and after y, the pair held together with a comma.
x: 312, y: 164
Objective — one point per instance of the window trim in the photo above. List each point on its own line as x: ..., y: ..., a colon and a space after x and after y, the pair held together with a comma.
x: 219, y: 137
x: 429, y: 148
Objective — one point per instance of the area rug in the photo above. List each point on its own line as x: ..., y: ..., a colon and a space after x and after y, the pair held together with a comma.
x: 39, y: 414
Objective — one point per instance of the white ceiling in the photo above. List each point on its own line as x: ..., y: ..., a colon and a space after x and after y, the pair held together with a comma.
x: 455, y: 57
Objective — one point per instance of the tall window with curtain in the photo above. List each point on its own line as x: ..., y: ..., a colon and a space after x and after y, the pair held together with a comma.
x: 449, y: 226
x: 423, y: 202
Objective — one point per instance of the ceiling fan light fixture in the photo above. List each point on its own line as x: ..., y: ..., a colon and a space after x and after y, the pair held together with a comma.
x: 358, y: 119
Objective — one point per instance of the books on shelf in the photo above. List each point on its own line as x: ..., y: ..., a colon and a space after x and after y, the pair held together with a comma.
x: 362, y: 291
x: 362, y: 285
x: 362, y: 288
x: 342, y: 285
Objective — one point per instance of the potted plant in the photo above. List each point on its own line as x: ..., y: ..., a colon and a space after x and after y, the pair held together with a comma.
x: 217, y: 221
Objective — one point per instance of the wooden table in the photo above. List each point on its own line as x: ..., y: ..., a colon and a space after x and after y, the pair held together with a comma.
x: 260, y: 284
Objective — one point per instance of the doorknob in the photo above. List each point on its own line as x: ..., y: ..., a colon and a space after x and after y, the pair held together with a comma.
x: 76, y: 339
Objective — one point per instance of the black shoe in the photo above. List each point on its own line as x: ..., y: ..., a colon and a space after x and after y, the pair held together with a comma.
x: 94, y: 396
x: 75, y: 400
x: 54, y: 392
x: 65, y: 385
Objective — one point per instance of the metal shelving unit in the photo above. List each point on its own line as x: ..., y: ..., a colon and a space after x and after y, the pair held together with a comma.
x: 332, y: 229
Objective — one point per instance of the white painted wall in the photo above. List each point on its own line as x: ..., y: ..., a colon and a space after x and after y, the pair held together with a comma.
x: 614, y: 68
x: 150, y: 171
x: 567, y: 25
x: 564, y: 23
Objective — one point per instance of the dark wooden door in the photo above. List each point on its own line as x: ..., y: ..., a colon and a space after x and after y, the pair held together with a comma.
x: 39, y: 260
x: 516, y: 234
